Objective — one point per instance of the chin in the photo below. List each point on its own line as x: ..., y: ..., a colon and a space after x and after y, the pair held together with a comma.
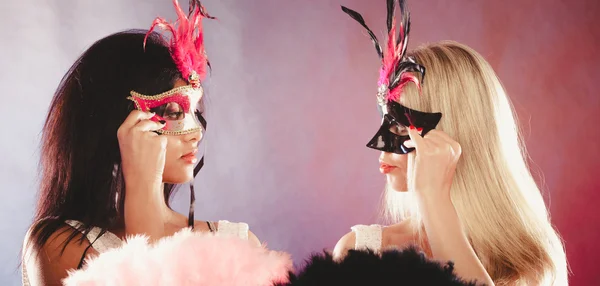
x: 180, y: 178
x: 396, y: 184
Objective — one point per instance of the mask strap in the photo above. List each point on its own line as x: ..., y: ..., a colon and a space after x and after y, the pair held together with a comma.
x: 193, y: 194
x: 192, y: 203
x: 199, y: 166
x: 196, y: 170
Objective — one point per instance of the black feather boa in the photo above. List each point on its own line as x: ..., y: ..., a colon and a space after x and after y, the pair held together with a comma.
x: 364, y: 267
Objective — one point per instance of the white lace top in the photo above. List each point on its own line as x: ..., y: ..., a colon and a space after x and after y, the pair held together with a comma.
x: 368, y: 237
x: 101, y: 244
x: 235, y: 229
x: 109, y: 240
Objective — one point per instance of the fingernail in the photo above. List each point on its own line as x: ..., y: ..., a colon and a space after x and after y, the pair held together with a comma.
x: 162, y: 121
x: 412, y: 126
x: 419, y: 129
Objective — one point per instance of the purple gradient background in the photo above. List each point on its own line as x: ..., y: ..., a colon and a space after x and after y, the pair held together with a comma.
x: 292, y: 105
x: 306, y: 108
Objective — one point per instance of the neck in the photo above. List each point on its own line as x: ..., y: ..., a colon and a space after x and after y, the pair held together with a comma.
x: 145, y: 210
x: 164, y: 207
x: 418, y: 234
x: 168, y: 215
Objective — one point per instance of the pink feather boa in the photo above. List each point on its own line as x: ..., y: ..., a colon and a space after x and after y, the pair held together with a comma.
x: 186, y: 258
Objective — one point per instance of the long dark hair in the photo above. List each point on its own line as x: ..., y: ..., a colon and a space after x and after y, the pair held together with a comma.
x: 81, y: 174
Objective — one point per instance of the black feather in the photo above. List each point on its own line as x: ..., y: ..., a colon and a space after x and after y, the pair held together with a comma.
x: 192, y: 5
x: 197, y: 4
x: 394, y: 267
x: 408, y: 65
x: 356, y: 16
x: 390, y: 14
x: 405, y: 24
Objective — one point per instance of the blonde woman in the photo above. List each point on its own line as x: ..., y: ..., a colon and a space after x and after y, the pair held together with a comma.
x: 462, y: 192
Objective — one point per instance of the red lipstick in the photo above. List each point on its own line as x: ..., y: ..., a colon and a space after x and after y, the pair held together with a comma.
x: 190, y: 158
x: 385, y: 168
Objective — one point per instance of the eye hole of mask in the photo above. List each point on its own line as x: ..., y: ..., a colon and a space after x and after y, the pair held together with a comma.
x: 170, y: 111
x: 398, y: 129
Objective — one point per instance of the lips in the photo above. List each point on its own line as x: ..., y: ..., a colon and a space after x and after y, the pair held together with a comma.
x: 385, y: 168
x: 190, y: 157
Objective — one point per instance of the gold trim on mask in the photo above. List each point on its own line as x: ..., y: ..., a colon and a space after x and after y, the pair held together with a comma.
x: 183, y: 132
x: 164, y: 94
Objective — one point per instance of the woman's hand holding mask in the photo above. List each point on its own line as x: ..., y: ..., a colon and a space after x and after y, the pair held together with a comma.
x: 434, y: 164
x: 433, y: 169
x: 143, y: 155
x: 142, y: 150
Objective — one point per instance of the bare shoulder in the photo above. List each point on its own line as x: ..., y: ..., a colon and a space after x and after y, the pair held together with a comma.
x: 203, y: 226
x: 253, y: 238
x: 49, y: 264
x: 343, y: 245
x: 397, y: 235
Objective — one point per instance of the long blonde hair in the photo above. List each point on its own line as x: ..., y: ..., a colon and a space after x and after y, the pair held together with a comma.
x: 494, y: 193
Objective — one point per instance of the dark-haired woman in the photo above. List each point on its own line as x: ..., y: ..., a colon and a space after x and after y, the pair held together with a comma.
x: 122, y: 130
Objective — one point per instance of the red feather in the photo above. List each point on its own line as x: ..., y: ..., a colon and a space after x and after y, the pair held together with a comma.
x: 406, y: 78
x: 390, y: 57
x: 187, y: 42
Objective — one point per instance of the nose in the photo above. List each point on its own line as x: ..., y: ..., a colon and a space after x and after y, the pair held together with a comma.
x: 383, y: 156
x: 195, y: 136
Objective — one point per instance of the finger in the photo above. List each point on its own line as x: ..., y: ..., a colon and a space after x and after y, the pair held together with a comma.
x: 435, y: 138
x: 440, y: 135
x: 410, y: 171
x: 163, y: 145
x: 441, y: 138
x: 415, y: 138
x: 148, y: 125
x: 135, y: 117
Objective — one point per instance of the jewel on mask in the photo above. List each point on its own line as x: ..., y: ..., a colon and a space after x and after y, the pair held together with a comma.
x: 194, y: 79
x: 382, y: 93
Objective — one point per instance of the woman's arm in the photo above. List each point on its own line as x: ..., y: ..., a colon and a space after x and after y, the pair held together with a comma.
x: 448, y: 241
x: 144, y: 211
x: 345, y: 244
x: 252, y: 238
x: 143, y: 158
x: 433, y: 169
